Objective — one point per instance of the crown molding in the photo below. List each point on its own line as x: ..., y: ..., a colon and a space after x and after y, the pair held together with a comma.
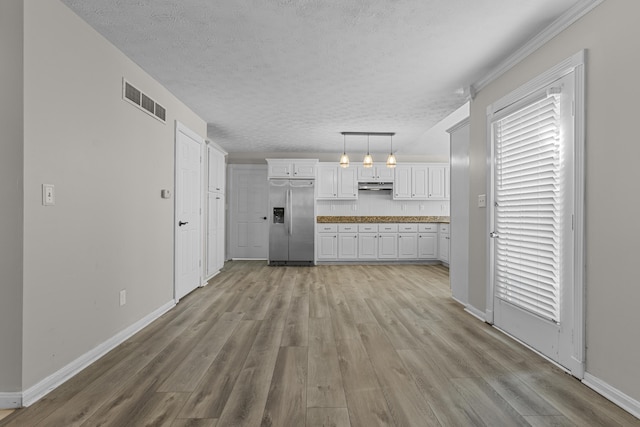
x: 556, y: 27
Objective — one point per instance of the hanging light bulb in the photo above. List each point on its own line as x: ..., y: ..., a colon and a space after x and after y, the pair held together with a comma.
x: 368, y: 160
x: 391, y: 160
x: 344, y: 159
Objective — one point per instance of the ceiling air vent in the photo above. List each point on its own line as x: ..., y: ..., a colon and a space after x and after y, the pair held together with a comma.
x: 144, y: 102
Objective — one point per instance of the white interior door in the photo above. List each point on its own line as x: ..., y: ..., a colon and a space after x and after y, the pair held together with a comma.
x: 532, y: 211
x: 248, y: 212
x: 188, y: 221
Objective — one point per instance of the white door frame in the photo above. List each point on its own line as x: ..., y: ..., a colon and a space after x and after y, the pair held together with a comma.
x: 181, y: 128
x: 574, y: 64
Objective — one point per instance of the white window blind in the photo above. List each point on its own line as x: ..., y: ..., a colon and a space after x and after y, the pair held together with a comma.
x: 528, y: 211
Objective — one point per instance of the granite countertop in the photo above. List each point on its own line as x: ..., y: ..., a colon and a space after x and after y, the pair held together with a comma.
x: 380, y: 219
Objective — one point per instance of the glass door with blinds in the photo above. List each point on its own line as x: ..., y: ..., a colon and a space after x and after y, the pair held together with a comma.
x: 532, y: 215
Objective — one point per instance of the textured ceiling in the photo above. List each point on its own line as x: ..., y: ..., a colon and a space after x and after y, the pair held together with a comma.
x: 289, y: 75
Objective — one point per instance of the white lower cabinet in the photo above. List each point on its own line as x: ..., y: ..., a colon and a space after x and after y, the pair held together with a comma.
x: 367, y: 245
x: 383, y: 242
x: 408, y: 246
x: 388, y: 245
x: 348, y: 246
x: 327, y: 242
x: 443, y: 243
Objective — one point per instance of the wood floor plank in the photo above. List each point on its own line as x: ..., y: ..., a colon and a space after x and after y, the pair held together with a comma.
x: 212, y: 393
x: 368, y: 408
x: 365, y: 400
x: 159, y: 411
x: 574, y: 400
x: 328, y: 417
x: 369, y: 345
x: 195, y: 422
x: 318, y: 305
x: 189, y: 372
x: 296, y: 330
x: 446, y: 402
x: 324, y: 384
x: 549, y: 421
x: 487, y: 403
x: 344, y: 326
x: 286, y: 402
x: 245, y: 406
x: 406, y: 404
x: 260, y: 306
x: 397, y: 333
x: 525, y: 400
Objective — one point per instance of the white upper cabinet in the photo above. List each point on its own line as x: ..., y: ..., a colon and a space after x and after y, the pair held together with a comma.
x: 216, y: 170
x: 377, y: 173
x: 292, y: 168
x: 347, y: 183
x: 402, y: 183
x: 334, y: 182
x: 421, y: 181
x: 327, y: 181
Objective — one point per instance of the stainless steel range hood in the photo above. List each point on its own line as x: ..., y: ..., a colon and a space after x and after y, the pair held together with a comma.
x: 375, y: 186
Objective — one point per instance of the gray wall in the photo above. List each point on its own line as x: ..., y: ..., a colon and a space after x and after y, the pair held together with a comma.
x: 11, y: 170
x: 109, y: 229
x: 610, y: 33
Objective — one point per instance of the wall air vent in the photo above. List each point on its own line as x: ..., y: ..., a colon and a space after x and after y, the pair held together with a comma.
x: 145, y: 103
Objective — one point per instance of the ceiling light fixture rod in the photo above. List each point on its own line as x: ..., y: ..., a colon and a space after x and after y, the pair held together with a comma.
x: 369, y: 133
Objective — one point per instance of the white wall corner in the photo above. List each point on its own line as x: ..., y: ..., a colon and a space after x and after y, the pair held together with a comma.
x: 10, y: 400
x: 42, y: 388
x: 627, y: 403
x: 478, y: 314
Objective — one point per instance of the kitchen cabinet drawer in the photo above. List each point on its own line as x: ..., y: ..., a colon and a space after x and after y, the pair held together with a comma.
x: 388, y: 228
x: 368, y: 228
x: 347, y: 228
x: 444, y: 228
x: 428, y: 228
x: 408, y: 227
x: 327, y: 228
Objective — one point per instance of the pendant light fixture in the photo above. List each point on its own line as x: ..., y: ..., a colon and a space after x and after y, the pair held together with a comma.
x: 368, y: 160
x: 344, y: 159
x: 391, y: 160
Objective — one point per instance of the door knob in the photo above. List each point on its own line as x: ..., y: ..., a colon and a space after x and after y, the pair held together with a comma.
x: 264, y: 217
x: 180, y: 223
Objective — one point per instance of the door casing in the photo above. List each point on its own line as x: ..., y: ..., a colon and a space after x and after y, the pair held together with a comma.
x: 574, y: 64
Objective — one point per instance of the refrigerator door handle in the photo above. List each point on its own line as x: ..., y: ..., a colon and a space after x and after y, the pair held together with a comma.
x: 286, y: 210
x: 290, y: 213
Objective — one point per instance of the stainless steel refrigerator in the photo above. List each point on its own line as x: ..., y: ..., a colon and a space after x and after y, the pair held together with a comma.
x: 291, y: 222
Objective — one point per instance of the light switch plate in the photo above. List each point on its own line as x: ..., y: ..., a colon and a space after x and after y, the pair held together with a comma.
x: 482, y: 200
x: 48, y: 195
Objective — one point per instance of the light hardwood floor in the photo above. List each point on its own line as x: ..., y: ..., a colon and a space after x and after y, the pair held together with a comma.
x: 374, y: 345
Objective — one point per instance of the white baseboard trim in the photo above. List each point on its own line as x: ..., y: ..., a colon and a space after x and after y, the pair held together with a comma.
x: 10, y: 400
x: 478, y: 314
x: 627, y: 403
x: 39, y: 390
x: 464, y: 304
